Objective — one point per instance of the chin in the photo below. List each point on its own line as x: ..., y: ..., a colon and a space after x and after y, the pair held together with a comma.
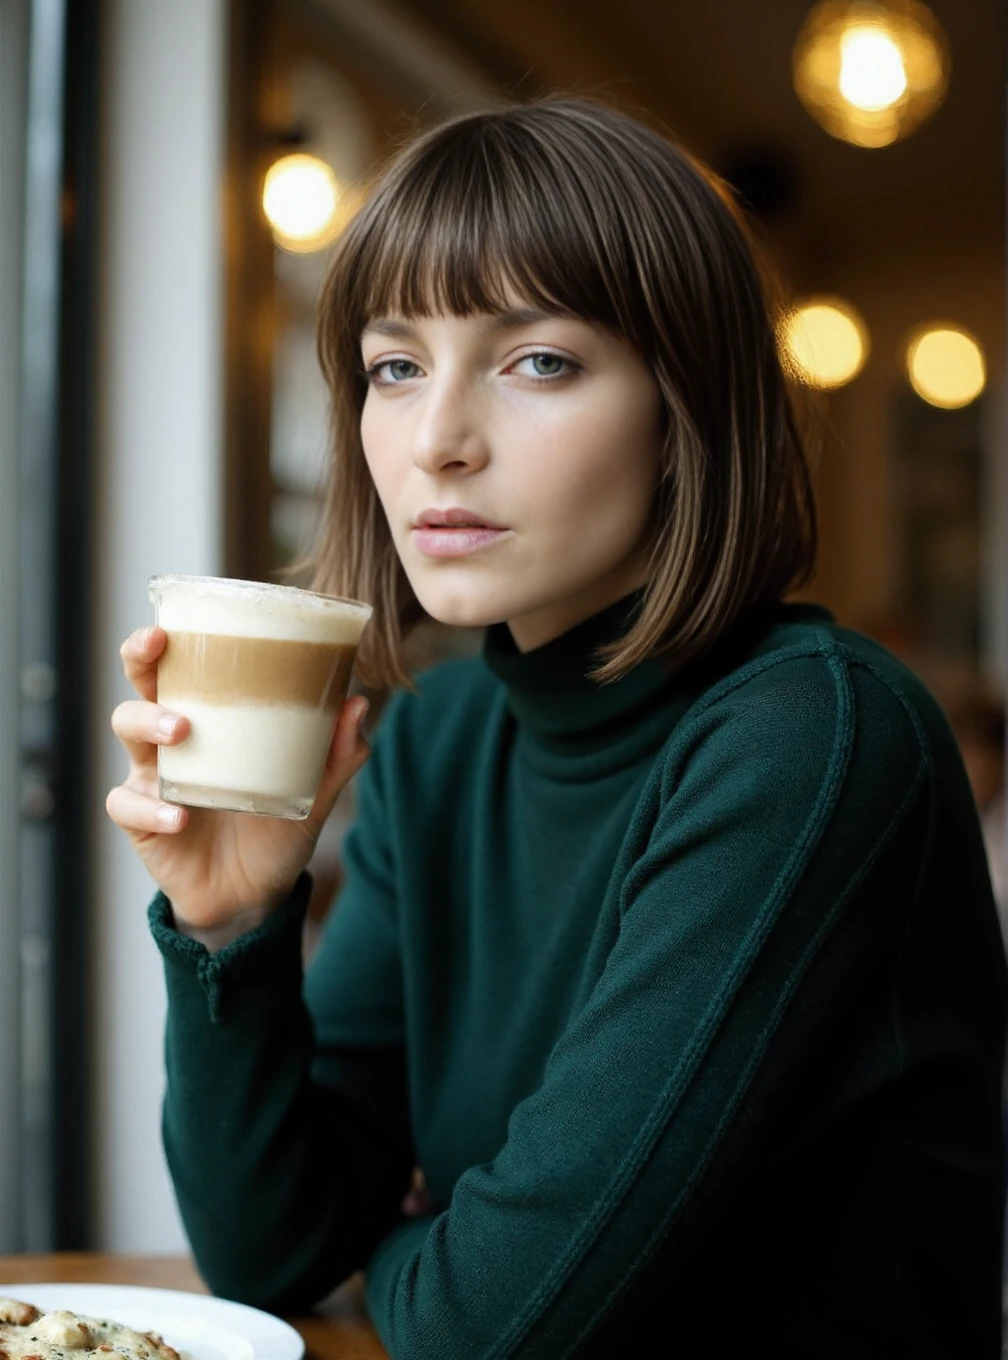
x: 459, y: 608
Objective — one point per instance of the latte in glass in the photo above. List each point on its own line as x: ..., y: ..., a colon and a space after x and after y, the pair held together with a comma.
x: 261, y: 672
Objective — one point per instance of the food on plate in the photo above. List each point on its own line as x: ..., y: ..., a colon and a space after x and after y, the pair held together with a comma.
x: 26, y: 1333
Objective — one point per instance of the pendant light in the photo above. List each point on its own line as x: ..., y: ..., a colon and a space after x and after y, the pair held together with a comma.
x: 871, y: 71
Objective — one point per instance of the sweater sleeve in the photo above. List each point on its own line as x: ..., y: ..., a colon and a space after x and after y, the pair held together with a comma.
x: 285, y: 1119
x: 774, y: 812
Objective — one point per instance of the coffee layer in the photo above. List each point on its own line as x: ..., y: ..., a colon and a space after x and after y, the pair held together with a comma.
x: 274, y: 751
x: 222, y: 669
x: 264, y: 612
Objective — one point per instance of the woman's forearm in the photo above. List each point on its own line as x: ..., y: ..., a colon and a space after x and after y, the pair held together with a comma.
x: 284, y: 1184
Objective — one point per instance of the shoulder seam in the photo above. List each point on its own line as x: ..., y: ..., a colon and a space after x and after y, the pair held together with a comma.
x: 923, y: 748
x: 752, y: 669
x: 925, y: 767
x: 826, y: 649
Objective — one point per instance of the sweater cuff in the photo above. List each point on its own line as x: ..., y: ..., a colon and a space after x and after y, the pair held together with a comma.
x: 243, y: 959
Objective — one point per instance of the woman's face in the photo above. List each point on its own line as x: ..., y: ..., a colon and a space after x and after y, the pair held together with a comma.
x: 549, y: 427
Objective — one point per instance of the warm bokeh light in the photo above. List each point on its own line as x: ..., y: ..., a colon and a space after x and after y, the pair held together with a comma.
x: 870, y: 71
x: 300, y: 200
x: 825, y: 342
x: 871, y: 68
x: 946, y: 366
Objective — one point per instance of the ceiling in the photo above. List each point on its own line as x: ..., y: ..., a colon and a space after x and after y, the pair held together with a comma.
x: 718, y: 75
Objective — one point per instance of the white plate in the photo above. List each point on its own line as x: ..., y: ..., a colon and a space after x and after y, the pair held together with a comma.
x: 204, y: 1327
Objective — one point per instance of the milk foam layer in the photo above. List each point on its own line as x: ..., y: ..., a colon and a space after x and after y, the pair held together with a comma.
x: 242, y: 609
x: 278, y: 751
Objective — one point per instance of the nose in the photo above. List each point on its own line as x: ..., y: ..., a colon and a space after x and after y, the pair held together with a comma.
x: 449, y: 433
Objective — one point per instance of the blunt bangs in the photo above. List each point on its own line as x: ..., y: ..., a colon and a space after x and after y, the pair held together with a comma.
x: 484, y: 214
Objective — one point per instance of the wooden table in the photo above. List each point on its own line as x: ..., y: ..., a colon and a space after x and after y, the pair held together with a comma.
x: 339, y: 1330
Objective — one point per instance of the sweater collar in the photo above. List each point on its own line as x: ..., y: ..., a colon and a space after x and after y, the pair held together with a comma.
x: 551, y: 697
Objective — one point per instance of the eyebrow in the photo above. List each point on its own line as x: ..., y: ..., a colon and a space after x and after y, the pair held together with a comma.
x: 496, y: 321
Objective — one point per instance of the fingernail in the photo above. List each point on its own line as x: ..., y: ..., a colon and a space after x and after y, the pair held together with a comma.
x: 166, y: 726
x: 168, y: 816
x: 362, y: 715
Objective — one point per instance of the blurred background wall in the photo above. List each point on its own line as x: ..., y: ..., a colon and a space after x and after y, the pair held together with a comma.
x: 158, y: 500
x: 176, y: 348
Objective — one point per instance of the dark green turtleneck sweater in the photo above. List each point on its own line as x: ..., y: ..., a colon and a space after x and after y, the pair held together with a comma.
x: 687, y: 995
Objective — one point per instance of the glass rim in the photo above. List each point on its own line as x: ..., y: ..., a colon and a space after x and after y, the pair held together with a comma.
x: 235, y: 586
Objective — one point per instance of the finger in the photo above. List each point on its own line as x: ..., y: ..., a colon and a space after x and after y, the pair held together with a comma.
x: 349, y: 743
x: 137, y: 813
x: 142, y: 727
x: 144, y: 780
x: 140, y: 654
x: 348, y: 751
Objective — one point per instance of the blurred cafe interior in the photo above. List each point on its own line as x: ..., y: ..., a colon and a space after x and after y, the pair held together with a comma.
x: 174, y: 173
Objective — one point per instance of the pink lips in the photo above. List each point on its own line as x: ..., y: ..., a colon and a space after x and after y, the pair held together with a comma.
x: 453, y: 531
x: 439, y: 541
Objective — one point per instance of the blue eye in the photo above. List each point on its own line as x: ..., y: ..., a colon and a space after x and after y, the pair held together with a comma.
x: 544, y: 365
x: 401, y: 369
x: 392, y: 371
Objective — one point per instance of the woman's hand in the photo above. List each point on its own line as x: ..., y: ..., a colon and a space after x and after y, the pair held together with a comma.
x: 223, y: 872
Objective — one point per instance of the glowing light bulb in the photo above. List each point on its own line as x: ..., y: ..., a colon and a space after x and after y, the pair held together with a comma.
x: 300, y: 199
x: 825, y: 342
x: 872, y: 75
x: 871, y: 71
x: 946, y: 366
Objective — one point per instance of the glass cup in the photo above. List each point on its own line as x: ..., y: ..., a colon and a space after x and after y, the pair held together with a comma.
x: 261, y: 672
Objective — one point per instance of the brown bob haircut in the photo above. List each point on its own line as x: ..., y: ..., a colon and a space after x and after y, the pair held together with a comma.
x: 582, y: 210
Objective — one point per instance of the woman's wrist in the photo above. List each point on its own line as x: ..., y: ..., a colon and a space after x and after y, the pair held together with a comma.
x: 214, y: 938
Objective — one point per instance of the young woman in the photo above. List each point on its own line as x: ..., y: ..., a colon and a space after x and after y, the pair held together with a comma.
x: 667, y: 947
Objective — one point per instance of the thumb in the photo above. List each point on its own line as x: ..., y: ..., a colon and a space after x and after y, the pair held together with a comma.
x: 348, y: 751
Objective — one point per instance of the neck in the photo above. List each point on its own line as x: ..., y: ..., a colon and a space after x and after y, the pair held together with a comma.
x: 543, y: 625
